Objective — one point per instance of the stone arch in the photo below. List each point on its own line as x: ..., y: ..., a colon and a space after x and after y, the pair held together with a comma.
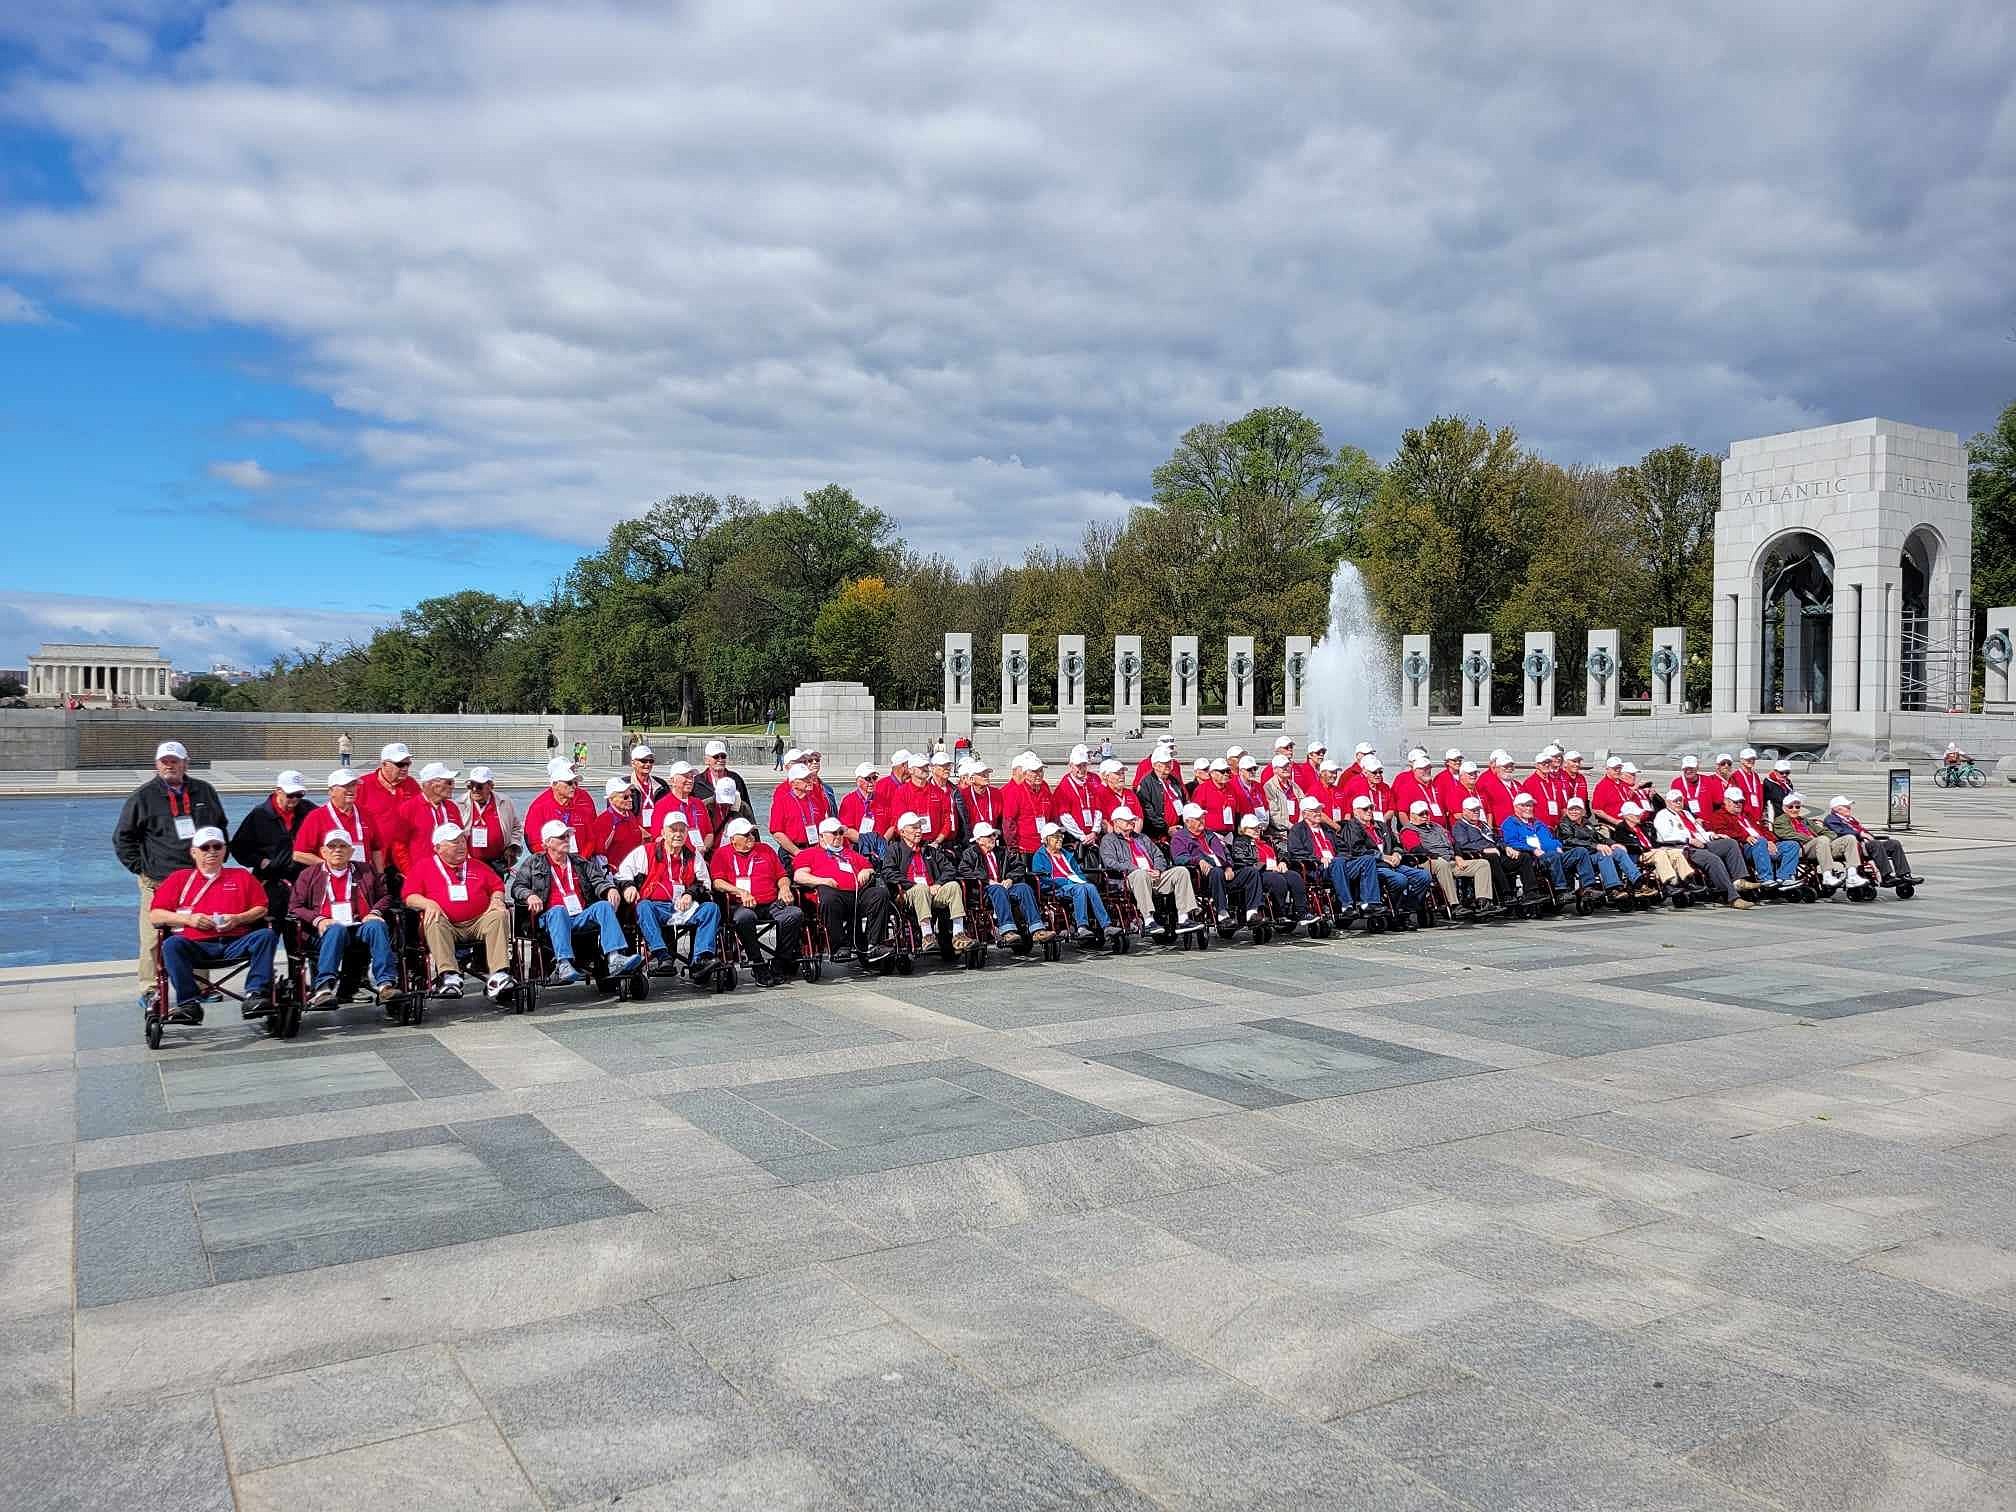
x: 1792, y: 579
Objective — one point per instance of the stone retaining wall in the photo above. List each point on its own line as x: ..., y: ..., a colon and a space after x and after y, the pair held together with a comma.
x: 56, y: 739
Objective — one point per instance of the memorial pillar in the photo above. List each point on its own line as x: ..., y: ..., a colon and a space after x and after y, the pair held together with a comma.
x: 1476, y: 684
x: 1417, y: 664
x: 1127, y: 670
x: 1294, y: 667
x: 1537, y: 694
x: 958, y: 675
x: 1184, y: 670
x: 1239, y: 684
x: 1014, y: 693
x: 1071, y: 671
x: 1669, y: 686
x: 1600, y: 692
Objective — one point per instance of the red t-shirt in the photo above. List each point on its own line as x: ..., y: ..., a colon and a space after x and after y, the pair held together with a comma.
x: 432, y: 878
x: 1220, y: 805
x: 231, y: 891
x: 1111, y: 798
x: 759, y: 871
x: 580, y: 817
x: 493, y: 841
x: 616, y: 835
x: 1077, y: 798
x: 1023, y: 807
x: 796, y: 818
x: 417, y: 821
x: 1449, y: 792
x: 317, y: 825
x: 839, y: 869
x: 384, y: 809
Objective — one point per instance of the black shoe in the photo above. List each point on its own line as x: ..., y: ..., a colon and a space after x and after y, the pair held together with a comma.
x: 1913, y: 878
x: 188, y: 1013
x: 760, y: 974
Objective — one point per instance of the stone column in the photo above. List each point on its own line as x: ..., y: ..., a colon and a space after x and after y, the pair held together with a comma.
x: 1238, y: 696
x: 1128, y: 669
x: 1476, y: 694
x: 1293, y: 720
x: 1670, y: 698
x: 1014, y: 693
x: 1538, y: 700
x: 1071, y: 689
x: 1793, y: 682
x: 1183, y: 692
x: 1417, y: 664
x: 958, y: 703
x: 1600, y: 693
x: 1998, y: 685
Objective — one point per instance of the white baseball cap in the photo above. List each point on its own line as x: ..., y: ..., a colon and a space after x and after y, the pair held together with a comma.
x: 1468, y: 769
x: 1628, y: 808
x: 672, y: 817
x: 1284, y: 742
x: 1546, y: 753
x: 614, y: 786
x: 682, y: 769
x: 1792, y: 798
x: 1233, y: 753
x: 1418, y: 806
x: 560, y: 769
x: 1316, y: 745
x: 1280, y: 761
x: 290, y: 781
x: 1220, y: 764
x: 553, y: 829
x: 1249, y: 821
x: 1613, y: 761
x: 1781, y: 766
x: 640, y: 750
x: 1841, y: 800
x: 1363, y: 748
x: 1079, y: 755
x: 1630, y: 769
x: 1500, y: 757
x: 336, y: 835
x: 447, y: 830
x: 1202, y: 764
x: 1522, y: 796
x: 438, y: 771
x: 171, y: 748
x: 1571, y: 756
x: 982, y: 829
x: 1746, y: 754
x: 342, y: 777
x: 1452, y: 754
x: 1690, y: 761
x: 831, y: 826
x: 1329, y: 766
x: 1473, y: 802
x: 798, y: 771
x: 1046, y: 829
x: 716, y: 748
x: 396, y: 751
x: 1373, y: 764
x: 1674, y: 795
x: 1109, y: 766
x: 1193, y: 811
x: 1574, y: 803
x: 1124, y: 812
x: 209, y: 834
x: 1248, y: 764
x: 907, y: 820
x: 478, y: 775
x: 739, y: 827
x: 1363, y: 800
x: 1418, y: 759
x: 1725, y: 756
x: 1311, y: 803
x: 896, y: 758
x: 940, y: 758
x: 866, y: 769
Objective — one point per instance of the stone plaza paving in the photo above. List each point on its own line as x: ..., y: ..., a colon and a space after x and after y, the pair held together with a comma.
x: 1706, y: 1210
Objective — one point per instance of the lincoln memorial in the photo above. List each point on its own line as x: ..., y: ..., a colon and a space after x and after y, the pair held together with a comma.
x: 100, y: 674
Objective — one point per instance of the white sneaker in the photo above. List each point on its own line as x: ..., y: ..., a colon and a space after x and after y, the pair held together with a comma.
x: 1252, y: 916
x: 1833, y: 878
x: 450, y: 985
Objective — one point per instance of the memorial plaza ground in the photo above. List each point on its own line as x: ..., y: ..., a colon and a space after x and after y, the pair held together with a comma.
x: 1706, y: 1210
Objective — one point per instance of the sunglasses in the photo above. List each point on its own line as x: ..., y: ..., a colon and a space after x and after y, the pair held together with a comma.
x: 209, y: 845
x: 646, y: 761
x: 402, y: 764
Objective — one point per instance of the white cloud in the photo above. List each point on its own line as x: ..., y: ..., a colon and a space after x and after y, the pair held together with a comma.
x: 561, y: 259
x: 193, y: 635
x: 246, y: 474
x: 17, y: 308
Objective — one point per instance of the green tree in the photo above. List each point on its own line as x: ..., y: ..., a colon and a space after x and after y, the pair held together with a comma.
x: 206, y: 691
x: 1445, y: 541
x: 1991, y: 488
x: 853, y: 632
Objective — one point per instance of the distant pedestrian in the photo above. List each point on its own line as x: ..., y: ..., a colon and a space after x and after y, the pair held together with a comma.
x: 769, y: 727
x: 776, y: 750
x: 552, y: 741
x: 343, y: 749
x: 1105, y: 747
x: 580, y: 753
x: 155, y: 827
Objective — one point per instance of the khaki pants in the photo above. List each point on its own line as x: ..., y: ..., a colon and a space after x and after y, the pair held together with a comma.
x: 1173, y: 883
x: 1669, y: 865
x: 1445, y: 873
x: 947, y: 895
x: 146, y: 932
x: 492, y: 927
x: 1834, y: 850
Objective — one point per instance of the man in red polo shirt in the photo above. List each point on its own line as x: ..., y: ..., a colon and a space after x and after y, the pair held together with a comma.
x: 1448, y: 786
x: 618, y: 831
x: 563, y: 800
x: 857, y: 810
x: 795, y: 810
x: 382, y: 796
x: 217, y: 914
x: 459, y: 900
x: 1025, y: 804
x: 1612, y: 793
x: 419, y: 817
x: 340, y: 812
x: 1072, y: 803
x: 754, y: 893
x: 853, y: 904
x: 889, y: 792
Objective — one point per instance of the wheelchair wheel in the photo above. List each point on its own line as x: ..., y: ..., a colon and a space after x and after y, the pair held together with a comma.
x: 1262, y: 933
x: 528, y: 995
x: 283, y: 1019
x: 1052, y: 951
x: 811, y: 969
x: 976, y: 956
x: 723, y: 979
x: 153, y: 1032
x: 1906, y: 889
x: 903, y: 965
x: 635, y: 987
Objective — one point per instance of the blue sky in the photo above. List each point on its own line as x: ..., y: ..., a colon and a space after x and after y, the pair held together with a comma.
x: 307, y: 312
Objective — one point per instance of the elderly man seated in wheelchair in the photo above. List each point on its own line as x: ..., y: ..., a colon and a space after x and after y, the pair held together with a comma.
x: 671, y: 888
x: 925, y: 877
x: 218, y: 917
x: 1125, y: 852
x: 335, y: 905
x: 459, y: 904
x: 568, y: 894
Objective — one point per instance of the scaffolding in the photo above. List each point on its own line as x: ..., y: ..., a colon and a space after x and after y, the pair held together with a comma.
x: 1936, y: 665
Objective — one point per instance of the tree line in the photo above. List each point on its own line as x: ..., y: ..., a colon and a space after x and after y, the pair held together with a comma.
x: 709, y: 611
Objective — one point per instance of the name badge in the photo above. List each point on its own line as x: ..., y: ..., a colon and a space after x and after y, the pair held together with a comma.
x: 479, y: 836
x: 458, y: 892
x: 1228, y: 816
x: 573, y: 902
x: 1693, y: 806
x: 1533, y: 841
x: 185, y: 826
x: 342, y: 913
x: 573, y: 848
x: 1553, y: 807
x: 811, y: 834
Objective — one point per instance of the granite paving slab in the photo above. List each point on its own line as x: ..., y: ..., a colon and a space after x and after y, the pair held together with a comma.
x: 1026, y: 999
x: 1796, y: 993
x: 635, y: 1043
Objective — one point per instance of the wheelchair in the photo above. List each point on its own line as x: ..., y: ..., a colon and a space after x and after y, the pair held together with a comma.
x: 1058, y: 918
x: 718, y: 978
x: 1328, y: 915
x: 409, y: 955
x: 532, y: 961
x: 279, y: 1009
x: 1129, y: 923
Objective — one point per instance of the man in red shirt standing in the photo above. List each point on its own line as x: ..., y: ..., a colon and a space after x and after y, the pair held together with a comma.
x: 419, y: 817
x: 563, y: 800
x: 1448, y: 787
x: 458, y: 901
x: 382, y: 796
x: 1494, y: 789
x: 618, y: 830
x: 1692, y: 789
x: 218, y: 915
x: 857, y: 811
x: 1747, y: 780
x: 1072, y: 803
x: 1309, y: 770
x: 1415, y: 786
x: 1025, y: 804
x: 1612, y: 793
x: 930, y: 797
x: 1377, y: 788
x: 889, y: 792
x: 795, y: 811
x: 340, y: 812
x: 1215, y: 797
x: 1573, y: 783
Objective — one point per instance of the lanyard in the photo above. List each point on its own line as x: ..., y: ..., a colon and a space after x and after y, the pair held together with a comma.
x: 993, y: 868
x: 188, y: 903
x: 356, y: 835
x: 563, y: 878
x: 332, y: 884
x: 173, y: 794
x: 461, y: 881
x: 742, y: 867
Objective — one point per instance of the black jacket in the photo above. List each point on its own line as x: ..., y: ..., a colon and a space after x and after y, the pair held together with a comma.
x: 264, y: 844
x: 144, y: 839
x: 894, y: 866
x: 532, y: 877
x: 1154, y: 824
x: 1014, y: 865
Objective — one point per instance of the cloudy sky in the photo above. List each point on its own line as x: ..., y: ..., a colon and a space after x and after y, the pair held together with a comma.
x: 332, y: 307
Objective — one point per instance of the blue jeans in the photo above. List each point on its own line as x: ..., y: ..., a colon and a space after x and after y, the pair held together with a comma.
x: 1555, y: 865
x: 1773, y: 860
x: 1411, y: 882
x: 1616, y: 868
x: 705, y: 924
x: 1014, y: 907
x: 181, y: 956
x: 1086, y: 904
x: 1355, y: 878
x: 561, y: 928
x: 336, y: 939
x: 1583, y: 862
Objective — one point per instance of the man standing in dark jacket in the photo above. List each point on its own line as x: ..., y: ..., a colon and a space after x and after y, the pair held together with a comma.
x: 155, y: 827
x: 264, y: 844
